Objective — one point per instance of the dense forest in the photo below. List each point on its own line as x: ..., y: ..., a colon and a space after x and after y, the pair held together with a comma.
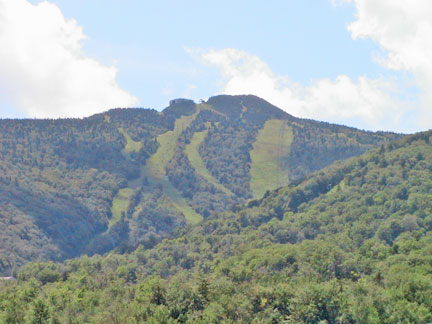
x: 350, y: 243
x: 131, y: 177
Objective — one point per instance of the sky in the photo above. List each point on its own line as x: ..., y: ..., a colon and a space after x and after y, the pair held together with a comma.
x: 362, y: 63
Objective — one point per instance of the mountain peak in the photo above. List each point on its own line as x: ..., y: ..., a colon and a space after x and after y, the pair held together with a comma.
x: 250, y: 107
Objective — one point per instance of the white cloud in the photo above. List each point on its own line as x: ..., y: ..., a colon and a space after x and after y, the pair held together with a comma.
x: 403, y: 29
x: 364, y: 102
x: 43, y: 70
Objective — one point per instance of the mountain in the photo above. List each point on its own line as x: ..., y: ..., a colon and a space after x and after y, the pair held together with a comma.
x: 348, y: 244
x: 133, y: 176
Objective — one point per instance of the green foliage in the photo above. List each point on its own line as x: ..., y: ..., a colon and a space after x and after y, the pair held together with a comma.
x: 338, y: 247
x: 129, y: 176
x: 40, y: 312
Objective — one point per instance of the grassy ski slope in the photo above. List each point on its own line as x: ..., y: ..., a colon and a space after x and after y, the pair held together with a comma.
x: 270, y: 148
x: 131, y: 145
x: 192, y: 152
x: 120, y: 204
x: 155, y: 167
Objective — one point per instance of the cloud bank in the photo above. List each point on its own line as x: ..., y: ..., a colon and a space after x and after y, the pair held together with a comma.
x: 369, y: 102
x: 401, y: 28
x: 43, y: 70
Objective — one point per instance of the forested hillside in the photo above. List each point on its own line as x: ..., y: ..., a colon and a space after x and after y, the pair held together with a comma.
x: 349, y: 244
x: 133, y: 176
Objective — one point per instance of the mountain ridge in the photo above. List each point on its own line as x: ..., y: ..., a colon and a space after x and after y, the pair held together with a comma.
x: 126, y: 175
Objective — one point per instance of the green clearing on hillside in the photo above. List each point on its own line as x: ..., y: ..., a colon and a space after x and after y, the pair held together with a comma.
x: 121, y: 200
x: 271, y: 146
x: 120, y: 204
x: 155, y: 167
x: 341, y: 186
x: 195, y: 159
x: 204, y: 106
x: 131, y: 145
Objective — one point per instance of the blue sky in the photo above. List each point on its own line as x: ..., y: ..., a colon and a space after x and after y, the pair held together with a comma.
x: 303, y: 39
x: 313, y: 58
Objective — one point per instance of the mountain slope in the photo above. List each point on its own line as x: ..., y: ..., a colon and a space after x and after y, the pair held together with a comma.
x: 131, y: 176
x: 382, y: 196
x: 349, y: 244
